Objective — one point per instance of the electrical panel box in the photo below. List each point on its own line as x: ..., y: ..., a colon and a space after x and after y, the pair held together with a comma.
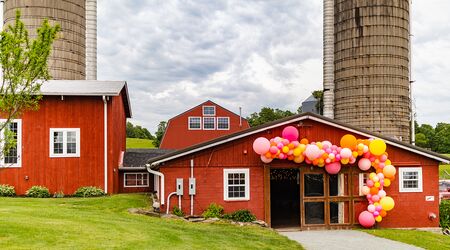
x: 191, y: 186
x: 179, y: 186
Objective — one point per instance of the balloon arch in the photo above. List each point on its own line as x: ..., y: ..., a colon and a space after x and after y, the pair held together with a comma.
x: 371, y: 153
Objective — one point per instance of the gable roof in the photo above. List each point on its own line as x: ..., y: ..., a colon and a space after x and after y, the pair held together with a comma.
x: 87, y: 88
x: 295, y: 118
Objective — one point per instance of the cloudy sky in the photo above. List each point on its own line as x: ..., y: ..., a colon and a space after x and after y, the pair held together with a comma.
x: 249, y: 54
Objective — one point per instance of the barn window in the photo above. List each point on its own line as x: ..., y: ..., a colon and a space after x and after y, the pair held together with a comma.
x: 223, y: 123
x: 195, y: 123
x: 64, y: 142
x: 209, y: 123
x: 11, y: 158
x: 135, y: 180
x: 209, y: 110
x: 236, y: 184
x: 410, y: 179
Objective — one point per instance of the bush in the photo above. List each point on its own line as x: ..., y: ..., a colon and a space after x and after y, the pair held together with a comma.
x: 213, y: 211
x: 7, y: 190
x: 444, y: 214
x: 38, y: 192
x: 241, y: 216
x: 177, y: 211
x: 89, y: 192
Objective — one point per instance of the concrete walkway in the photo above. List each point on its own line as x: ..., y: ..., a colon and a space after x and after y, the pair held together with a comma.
x: 344, y: 239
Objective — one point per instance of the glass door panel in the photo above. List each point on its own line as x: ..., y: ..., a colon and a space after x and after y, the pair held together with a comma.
x: 313, y: 185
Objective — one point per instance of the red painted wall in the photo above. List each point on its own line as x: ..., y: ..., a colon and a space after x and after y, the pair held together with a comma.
x: 178, y: 136
x: 411, y: 208
x: 68, y: 174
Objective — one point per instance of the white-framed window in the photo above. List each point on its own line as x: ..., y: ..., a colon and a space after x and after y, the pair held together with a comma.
x: 363, y: 177
x: 209, y: 123
x: 12, y: 158
x: 136, y: 179
x: 410, y: 179
x: 223, y: 123
x: 236, y: 184
x: 195, y: 123
x: 209, y: 110
x: 64, y: 142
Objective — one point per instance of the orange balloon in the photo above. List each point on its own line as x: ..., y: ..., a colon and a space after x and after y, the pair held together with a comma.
x: 268, y: 155
x: 304, y: 141
x: 373, y: 190
x: 389, y: 171
x: 383, y: 213
x: 348, y: 141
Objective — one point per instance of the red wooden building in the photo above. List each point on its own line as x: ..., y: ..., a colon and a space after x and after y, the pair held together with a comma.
x: 286, y: 194
x: 201, y: 123
x: 76, y: 138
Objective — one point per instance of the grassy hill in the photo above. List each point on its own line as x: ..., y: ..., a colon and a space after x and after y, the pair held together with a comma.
x: 445, y: 167
x: 139, y: 143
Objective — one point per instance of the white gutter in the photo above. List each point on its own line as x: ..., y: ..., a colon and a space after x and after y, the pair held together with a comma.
x: 192, y: 196
x: 161, y: 196
x: 105, y: 129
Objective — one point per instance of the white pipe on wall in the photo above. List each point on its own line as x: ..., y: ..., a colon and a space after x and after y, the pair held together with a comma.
x: 161, y: 175
x: 192, y: 196
x: 105, y: 141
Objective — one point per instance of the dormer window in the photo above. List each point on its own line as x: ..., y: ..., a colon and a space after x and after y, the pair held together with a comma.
x: 209, y: 110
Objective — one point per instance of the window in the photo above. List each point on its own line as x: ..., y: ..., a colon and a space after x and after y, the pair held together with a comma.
x: 64, y: 142
x: 236, y: 184
x: 209, y: 123
x: 195, y: 123
x: 223, y: 123
x: 363, y: 177
x: 410, y: 179
x: 11, y: 158
x: 135, y: 180
x: 209, y: 110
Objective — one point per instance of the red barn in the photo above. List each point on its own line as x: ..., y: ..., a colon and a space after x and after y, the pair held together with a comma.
x: 75, y: 139
x: 226, y: 171
x: 201, y: 123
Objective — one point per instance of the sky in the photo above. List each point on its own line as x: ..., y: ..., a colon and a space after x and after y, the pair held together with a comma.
x: 250, y: 54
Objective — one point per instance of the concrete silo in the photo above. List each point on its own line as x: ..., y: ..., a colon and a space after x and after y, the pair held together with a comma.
x: 371, y: 65
x: 72, y: 51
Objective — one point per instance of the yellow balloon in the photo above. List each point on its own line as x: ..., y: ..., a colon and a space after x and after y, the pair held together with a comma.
x: 297, y: 152
x: 388, y: 162
x: 285, y: 149
x: 378, y: 218
x: 387, y: 182
x: 387, y: 203
x: 299, y: 159
x: 377, y: 147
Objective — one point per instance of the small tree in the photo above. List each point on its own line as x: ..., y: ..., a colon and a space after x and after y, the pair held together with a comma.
x: 159, y: 133
x: 267, y: 115
x: 24, y: 67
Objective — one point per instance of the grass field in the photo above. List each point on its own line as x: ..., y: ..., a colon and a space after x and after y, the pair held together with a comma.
x: 139, y: 143
x: 104, y: 223
x: 445, y: 167
x: 426, y: 240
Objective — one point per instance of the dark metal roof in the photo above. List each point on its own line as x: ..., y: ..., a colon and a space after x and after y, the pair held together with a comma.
x: 192, y: 149
x: 137, y: 158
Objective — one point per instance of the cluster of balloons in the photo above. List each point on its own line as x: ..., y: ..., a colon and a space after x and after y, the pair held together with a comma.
x: 371, y: 153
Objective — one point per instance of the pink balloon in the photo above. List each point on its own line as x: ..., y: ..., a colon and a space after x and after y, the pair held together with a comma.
x: 380, y: 176
x: 338, y: 157
x: 365, y: 190
x: 312, y: 152
x: 285, y: 142
x: 376, y: 213
x: 326, y: 145
x: 375, y: 198
x: 261, y: 145
x: 265, y: 159
x: 352, y: 160
x: 382, y: 193
x: 366, y: 219
x: 383, y: 158
x: 346, y: 153
x: 290, y: 133
x: 295, y: 143
x: 280, y: 145
x: 379, y: 208
x: 371, y: 208
x: 333, y: 168
x: 273, y: 150
x: 364, y: 164
x: 369, y: 183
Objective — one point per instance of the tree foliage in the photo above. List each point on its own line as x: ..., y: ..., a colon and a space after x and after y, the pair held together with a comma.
x: 267, y: 115
x: 138, y: 132
x: 159, y: 133
x: 436, y: 139
x: 318, y: 94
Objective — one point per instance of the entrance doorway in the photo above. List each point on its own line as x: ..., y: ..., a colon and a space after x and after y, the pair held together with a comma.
x: 285, y: 198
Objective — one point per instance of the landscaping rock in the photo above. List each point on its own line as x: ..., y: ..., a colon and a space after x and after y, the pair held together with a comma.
x: 260, y: 223
x: 143, y: 212
x: 199, y: 219
x: 211, y: 220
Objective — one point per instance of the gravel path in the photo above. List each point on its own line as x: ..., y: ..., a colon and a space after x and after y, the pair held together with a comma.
x: 344, y: 239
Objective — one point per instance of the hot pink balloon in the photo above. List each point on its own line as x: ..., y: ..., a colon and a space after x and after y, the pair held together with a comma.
x: 364, y: 164
x: 290, y: 133
x: 366, y: 219
x: 261, y: 145
x: 333, y: 168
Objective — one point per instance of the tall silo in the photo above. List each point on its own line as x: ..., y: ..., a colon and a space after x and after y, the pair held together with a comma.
x: 68, y: 59
x: 371, y: 65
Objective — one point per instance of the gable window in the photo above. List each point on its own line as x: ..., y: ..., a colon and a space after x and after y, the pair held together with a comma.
x: 209, y: 110
x: 223, y: 123
x: 363, y: 177
x: 195, y: 123
x: 135, y: 180
x: 209, y: 123
x: 64, y: 142
x: 11, y: 158
x: 410, y: 179
x: 236, y: 184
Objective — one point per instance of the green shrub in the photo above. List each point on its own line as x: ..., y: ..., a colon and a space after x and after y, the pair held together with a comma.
x: 89, y: 192
x: 444, y: 214
x: 38, y: 192
x: 59, y: 194
x: 241, y: 216
x: 213, y: 211
x: 177, y: 211
x: 7, y: 190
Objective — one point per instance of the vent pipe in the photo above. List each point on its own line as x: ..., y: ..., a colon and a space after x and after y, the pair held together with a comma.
x: 328, y: 58
x: 91, y: 39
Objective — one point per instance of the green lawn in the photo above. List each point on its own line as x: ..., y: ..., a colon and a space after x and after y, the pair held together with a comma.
x: 427, y: 240
x: 139, y: 143
x: 445, y: 167
x: 104, y: 223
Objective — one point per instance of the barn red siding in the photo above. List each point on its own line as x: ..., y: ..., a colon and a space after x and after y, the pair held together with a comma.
x: 178, y: 136
x: 411, y: 208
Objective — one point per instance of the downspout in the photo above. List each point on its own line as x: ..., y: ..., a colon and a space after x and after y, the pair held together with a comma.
x: 105, y: 129
x: 192, y: 196
x: 161, y: 175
